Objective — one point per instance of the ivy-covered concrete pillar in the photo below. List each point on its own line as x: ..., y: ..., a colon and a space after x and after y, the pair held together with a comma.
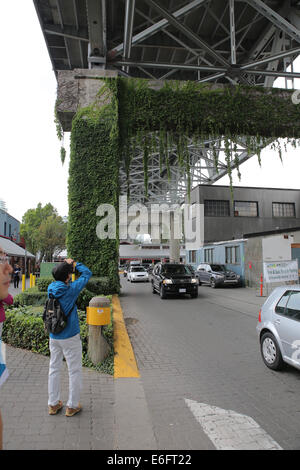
x: 94, y: 166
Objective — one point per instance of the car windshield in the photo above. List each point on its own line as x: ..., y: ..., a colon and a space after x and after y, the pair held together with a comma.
x: 191, y: 269
x: 175, y: 269
x: 137, y: 269
x: 218, y: 267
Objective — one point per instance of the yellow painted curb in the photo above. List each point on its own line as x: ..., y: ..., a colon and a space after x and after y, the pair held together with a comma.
x: 124, y: 360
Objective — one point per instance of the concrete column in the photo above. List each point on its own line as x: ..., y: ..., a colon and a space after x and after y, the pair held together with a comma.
x: 94, y: 164
x: 174, y: 240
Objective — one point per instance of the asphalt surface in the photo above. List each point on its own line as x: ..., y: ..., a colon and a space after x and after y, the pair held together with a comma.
x: 200, y: 369
x: 206, y: 350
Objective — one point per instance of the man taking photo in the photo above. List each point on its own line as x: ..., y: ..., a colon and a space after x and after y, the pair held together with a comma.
x: 67, y: 343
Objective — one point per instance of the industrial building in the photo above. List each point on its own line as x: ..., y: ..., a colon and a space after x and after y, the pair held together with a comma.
x: 257, y: 225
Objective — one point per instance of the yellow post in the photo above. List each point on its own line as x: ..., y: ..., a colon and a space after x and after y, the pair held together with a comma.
x: 30, y: 280
x: 23, y: 282
x: 33, y: 281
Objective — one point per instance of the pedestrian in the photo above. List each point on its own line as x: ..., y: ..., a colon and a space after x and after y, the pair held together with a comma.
x: 16, y: 276
x: 67, y: 343
x: 5, y: 274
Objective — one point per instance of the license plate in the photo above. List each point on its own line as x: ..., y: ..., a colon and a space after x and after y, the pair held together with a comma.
x: 182, y: 290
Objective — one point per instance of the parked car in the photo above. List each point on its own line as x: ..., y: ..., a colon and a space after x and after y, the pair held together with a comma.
x: 171, y: 278
x: 217, y: 275
x: 278, y: 328
x: 137, y: 273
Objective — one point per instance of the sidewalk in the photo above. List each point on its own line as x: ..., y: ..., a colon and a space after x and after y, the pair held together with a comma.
x: 110, y: 405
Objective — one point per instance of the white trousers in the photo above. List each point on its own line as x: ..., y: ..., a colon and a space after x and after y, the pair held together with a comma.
x: 71, y: 350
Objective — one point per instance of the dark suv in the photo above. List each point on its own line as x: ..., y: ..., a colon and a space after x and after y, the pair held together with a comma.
x: 169, y: 278
x: 217, y: 275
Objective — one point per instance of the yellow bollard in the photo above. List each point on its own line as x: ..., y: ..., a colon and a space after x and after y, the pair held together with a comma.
x: 33, y: 281
x: 30, y: 280
x: 98, y: 314
x: 23, y: 282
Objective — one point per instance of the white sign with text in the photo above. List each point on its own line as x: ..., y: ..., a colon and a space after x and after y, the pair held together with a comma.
x: 280, y: 271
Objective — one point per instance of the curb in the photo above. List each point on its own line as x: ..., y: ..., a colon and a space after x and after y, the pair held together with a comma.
x: 130, y: 407
x: 125, y: 364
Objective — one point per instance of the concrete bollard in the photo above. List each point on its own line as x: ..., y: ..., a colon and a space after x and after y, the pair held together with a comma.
x: 97, y: 315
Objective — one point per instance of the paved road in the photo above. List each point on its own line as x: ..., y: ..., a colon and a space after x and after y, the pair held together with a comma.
x: 205, y: 351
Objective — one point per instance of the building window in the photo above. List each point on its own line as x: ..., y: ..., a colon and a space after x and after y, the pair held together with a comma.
x: 245, y: 209
x: 216, y: 208
x: 283, y: 209
x: 193, y: 256
x: 209, y: 255
x: 232, y: 255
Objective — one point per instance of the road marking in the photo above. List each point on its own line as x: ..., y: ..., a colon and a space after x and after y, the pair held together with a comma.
x: 124, y: 360
x: 229, y: 430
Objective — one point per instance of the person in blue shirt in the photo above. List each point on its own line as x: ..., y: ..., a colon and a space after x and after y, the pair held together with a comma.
x: 67, y: 343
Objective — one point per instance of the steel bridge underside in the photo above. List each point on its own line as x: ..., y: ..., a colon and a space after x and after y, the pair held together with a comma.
x: 251, y: 42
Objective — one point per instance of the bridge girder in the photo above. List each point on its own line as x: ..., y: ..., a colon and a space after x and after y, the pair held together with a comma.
x: 237, y: 41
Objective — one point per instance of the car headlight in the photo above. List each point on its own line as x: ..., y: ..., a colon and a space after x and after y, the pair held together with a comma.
x: 167, y: 281
x: 194, y: 280
x: 219, y: 275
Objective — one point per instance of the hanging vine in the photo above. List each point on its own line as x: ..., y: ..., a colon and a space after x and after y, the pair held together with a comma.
x: 59, y: 133
x: 158, y: 118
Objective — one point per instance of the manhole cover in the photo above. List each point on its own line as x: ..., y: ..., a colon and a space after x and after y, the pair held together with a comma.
x: 130, y: 321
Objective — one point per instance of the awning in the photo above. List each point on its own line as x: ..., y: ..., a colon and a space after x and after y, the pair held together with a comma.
x: 12, y: 249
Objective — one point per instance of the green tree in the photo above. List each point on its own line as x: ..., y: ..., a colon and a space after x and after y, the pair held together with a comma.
x: 35, y: 227
x: 51, y: 236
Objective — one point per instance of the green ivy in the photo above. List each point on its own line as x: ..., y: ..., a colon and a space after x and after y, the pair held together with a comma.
x: 158, y: 118
x: 94, y: 180
x: 205, y: 111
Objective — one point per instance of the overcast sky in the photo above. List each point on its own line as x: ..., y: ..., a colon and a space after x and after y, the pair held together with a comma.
x: 31, y: 169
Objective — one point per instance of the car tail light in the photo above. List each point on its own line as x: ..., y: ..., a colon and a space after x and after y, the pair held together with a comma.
x: 259, y: 316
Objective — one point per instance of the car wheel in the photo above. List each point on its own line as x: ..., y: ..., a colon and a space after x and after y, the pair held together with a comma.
x: 213, y: 283
x: 162, y: 293
x: 270, y: 352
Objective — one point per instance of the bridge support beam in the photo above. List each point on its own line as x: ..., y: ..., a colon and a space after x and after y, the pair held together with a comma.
x: 94, y: 170
x: 174, y: 240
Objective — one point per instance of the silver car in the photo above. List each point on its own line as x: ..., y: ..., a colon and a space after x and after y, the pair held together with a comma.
x: 278, y: 328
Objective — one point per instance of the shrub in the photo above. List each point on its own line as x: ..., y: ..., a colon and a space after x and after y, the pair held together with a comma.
x: 30, y: 296
x: 24, y: 328
x: 100, y: 286
x: 97, y: 285
x: 42, y: 283
x: 84, y: 298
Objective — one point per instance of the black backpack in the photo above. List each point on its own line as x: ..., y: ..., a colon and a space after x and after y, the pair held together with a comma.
x: 54, y: 318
